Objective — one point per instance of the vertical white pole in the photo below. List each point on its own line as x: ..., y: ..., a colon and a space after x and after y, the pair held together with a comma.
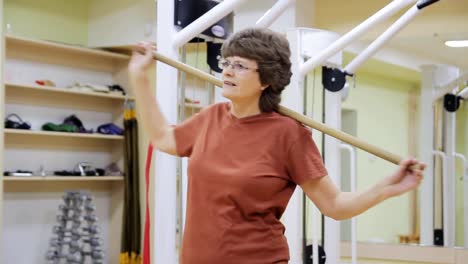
x: 465, y: 208
x: 464, y: 179
x: 164, y: 222
x: 449, y: 195
x: 313, y: 42
x: 315, y: 232
x: 445, y: 74
x: 321, y: 40
x: 426, y: 147
x: 465, y: 197
x: 332, y: 161
x: 293, y: 98
x: 352, y: 155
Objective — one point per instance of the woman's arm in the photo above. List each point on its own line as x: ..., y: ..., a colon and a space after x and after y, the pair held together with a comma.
x: 160, y: 132
x: 343, y: 205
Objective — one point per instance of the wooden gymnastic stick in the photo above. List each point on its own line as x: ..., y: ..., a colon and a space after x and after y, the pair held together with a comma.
x: 386, y: 155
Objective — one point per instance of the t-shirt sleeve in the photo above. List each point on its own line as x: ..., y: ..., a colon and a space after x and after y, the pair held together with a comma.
x: 304, y: 159
x: 187, y: 132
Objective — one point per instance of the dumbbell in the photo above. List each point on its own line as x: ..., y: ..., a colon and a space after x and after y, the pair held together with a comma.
x: 94, y: 254
x: 92, y: 241
x: 74, y: 218
x: 93, y: 229
x: 91, y: 218
x: 56, y: 256
x: 75, y: 234
x: 77, y: 198
x: 56, y: 242
x: 79, y: 208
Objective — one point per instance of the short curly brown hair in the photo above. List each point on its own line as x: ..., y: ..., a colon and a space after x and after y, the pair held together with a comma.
x: 271, y: 52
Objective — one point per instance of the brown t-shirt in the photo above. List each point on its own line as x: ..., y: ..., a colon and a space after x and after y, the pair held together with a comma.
x: 241, y: 174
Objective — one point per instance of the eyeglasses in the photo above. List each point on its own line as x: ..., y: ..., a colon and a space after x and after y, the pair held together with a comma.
x: 236, y: 66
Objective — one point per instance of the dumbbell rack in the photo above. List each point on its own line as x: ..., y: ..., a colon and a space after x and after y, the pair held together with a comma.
x: 76, y: 237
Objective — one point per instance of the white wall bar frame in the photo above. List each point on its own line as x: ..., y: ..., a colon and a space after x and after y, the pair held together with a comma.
x: 293, y: 98
x: 432, y: 77
x: 333, y: 163
x: 315, y: 232
x: 382, y: 39
x: 452, y: 86
x: 163, y: 249
x: 449, y: 181
x: 464, y: 93
x: 354, y: 34
x: 442, y: 156
x: 205, y: 21
x: 352, y: 155
x: 314, y: 42
x: 464, y: 178
x: 272, y: 14
x: 426, y: 146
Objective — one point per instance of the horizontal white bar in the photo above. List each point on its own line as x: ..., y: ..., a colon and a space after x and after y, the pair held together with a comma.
x: 448, y: 88
x: 202, y: 23
x: 464, y: 93
x: 382, y: 39
x: 273, y: 13
x: 357, y: 32
x: 464, y: 166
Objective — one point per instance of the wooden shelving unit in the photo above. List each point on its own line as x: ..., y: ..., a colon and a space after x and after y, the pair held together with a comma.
x: 27, y: 60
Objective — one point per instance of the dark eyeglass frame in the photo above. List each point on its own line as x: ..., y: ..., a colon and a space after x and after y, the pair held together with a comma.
x: 236, y: 66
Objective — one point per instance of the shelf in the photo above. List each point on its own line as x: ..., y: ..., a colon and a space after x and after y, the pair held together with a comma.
x: 195, y: 106
x: 50, y: 89
x: 61, y: 178
x: 20, y: 41
x: 9, y: 131
x: 61, y: 98
x: 53, y: 53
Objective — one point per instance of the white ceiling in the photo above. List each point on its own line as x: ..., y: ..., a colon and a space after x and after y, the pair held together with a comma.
x: 423, y: 37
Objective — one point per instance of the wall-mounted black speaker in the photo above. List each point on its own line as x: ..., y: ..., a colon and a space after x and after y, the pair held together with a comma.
x: 187, y: 11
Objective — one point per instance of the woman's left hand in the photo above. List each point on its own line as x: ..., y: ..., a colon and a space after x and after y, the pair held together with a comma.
x: 407, y: 177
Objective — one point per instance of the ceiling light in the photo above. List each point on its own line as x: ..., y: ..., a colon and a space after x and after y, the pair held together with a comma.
x: 457, y: 43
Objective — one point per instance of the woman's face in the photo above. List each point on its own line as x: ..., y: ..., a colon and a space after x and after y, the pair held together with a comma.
x: 241, y: 80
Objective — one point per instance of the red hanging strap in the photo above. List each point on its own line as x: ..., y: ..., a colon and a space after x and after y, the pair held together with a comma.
x: 146, y: 238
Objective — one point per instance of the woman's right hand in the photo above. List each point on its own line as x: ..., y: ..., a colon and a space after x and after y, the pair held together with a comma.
x: 142, y: 58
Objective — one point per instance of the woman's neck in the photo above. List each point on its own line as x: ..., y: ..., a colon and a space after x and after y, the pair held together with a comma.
x: 244, y: 109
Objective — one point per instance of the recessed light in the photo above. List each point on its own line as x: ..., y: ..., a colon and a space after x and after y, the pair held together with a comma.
x: 457, y: 43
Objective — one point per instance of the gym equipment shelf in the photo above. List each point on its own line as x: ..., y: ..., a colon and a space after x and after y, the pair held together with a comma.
x: 61, y: 178
x: 195, y: 106
x: 60, y: 134
x: 26, y: 60
x: 52, y: 51
x: 27, y: 89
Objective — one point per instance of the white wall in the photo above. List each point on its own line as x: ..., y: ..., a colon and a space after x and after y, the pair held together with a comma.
x: 122, y: 22
x: 301, y: 14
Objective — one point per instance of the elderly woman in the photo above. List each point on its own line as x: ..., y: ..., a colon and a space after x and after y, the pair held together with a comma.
x: 246, y: 159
